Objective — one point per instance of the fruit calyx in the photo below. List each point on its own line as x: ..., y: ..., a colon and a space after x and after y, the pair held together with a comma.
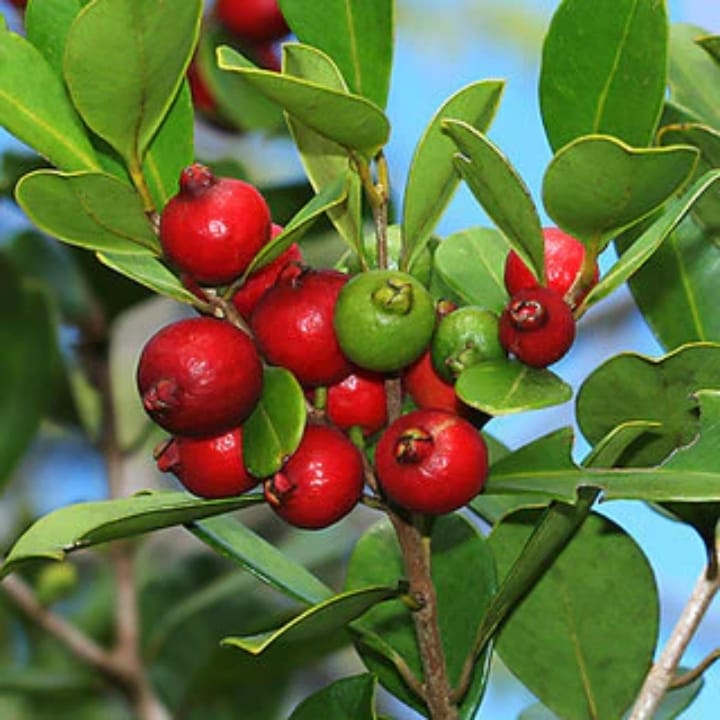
x: 527, y: 313
x: 165, y: 394
x: 196, y: 179
x: 395, y: 297
x: 277, y: 488
x: 413, y: 446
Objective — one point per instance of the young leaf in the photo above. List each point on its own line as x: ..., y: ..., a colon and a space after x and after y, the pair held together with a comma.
x: 501, y: 387
x: 35, y: 108
x: 583, y: 638
x: 432, y: 179
x: 124, y: 63
x: 501, y: 192
x: 350, y: 698
x: 74, y: 527
x: 47, y: 24
x: 274, y: 429
x: 330, y: 615
x: 596, y: 186
x: 603, y: 71
x: 464, y: 579
x: 347, y: 119
x: 356, y: 34
x: 92, y: 210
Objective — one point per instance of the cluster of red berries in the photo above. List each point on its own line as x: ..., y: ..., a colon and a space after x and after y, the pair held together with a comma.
x: 346, y: 339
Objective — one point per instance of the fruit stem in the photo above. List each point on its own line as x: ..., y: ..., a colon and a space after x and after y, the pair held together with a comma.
x: 377, y: 193
x: 584, y: 280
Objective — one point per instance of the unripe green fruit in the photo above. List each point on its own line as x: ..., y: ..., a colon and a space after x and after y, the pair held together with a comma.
x: 463, y: 338
x: 384, y: 319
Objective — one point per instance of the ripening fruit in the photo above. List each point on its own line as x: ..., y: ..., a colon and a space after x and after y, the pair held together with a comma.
x: 359, y: 400
x: 214, y: 226
x: 199, y: 376
x: 293, y: 325
x: 384, y: 319
x: 321, y: 482
x: 209, y: 467
x: 537, y: 326
x: 564, y: 257
x: 431, y: 461
x: 253, y: 20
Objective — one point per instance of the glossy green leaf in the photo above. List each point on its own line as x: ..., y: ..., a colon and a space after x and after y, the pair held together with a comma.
x: 29, y: 364
x: 464, y: 579
x: 274, y: 429
x: 324, y: 202
x: 583, y: 638
x: 81, y: 525
x: 92, y: 210
x: 711, y: 45
x: 357, y: 34
x: 350, y: 698
x: 537, y: 711
x: 230, y: 537
x: 642, y: 249
x: 693, y: 76
x: 432, y: 179
x: 47, y: 24
x: 501, y: 191
x: 347, y: 119
x: 471, y: 263
x: 603, y: 70
x: 124, y: 63
x: 325, y: 160
x: 149, y: 272
x: 35, y: 108
x: 331, y: 615
x: 632, y: 387
x: 610, y: 450
x: 596, y: 186
x: 508, y: 386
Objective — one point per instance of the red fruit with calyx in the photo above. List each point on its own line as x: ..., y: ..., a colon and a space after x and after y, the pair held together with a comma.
x: 537, y: 326
x: 431, y: 462
x: 321, y: 482
x: 209, y: 467
x: 255, y: 20
x: 199, y: 376
x: 359, y: 400
x: 293, y: 325
x: 259, y: 281
x: 564, y: 256
x: 214, y: 226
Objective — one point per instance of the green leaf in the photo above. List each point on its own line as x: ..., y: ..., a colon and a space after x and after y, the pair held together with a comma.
x: 274, y: 429
x: 508, y: 386
x: 642, y: 249
x: 609, y: 450
x: 81, y: 525
x: 149, y: 272
x: 350, y: 698
x: 327, y: 199
x: 29, y: 365
x: 124, y: 63
x: 596, y: 186
x: 47, y: 24
x: 464, y: 579
x: 91, y: 210
x: 583, y: 638
x: 603, y: 71
x: 264, y: 560
x: 331, y: 615
x: 501, y: 191
x: 693, y: 76
x: 349, y: 120
x: 432, y: 179
x: 35, y: 108
x: 711, y: 45
x: 356, y: 34
x: 632, y: 387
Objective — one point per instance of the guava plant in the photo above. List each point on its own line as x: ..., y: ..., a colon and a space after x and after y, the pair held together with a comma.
x: 311, y: 388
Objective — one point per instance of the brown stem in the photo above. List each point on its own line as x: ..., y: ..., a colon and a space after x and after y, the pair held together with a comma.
x: 698, y: 671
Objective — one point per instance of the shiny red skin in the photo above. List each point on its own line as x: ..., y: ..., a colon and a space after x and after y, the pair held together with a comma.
x: 199, y: 377
x: 214, y: 226
x: 564, y: 256
x: 293, y: 325
x: 208, y: 467
x: 322, y: 481
x: 359, y: 400
x: 255, y: 20
x: 258, y: 282
x: 537, y: 341
x: 448, y: 470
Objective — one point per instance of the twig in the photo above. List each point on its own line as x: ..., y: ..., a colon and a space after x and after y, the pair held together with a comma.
x: 691, y: 676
